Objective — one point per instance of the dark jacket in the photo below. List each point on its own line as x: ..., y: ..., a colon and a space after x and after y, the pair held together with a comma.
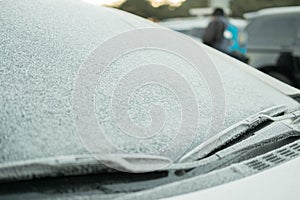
x: 213, y: 35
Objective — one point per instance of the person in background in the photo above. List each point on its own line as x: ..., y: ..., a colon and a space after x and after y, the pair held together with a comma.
x: 214, y: 33
x: 223, y: 36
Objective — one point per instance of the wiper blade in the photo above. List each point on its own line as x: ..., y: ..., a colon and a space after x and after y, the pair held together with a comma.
x: 136, y: 163
x: 233, y: 132
x: 81, y: 165
x: 271, y: 137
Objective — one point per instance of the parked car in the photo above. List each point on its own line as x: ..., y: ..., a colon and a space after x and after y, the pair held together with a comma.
x: 195, y: 26
x: 96, y: 103
x: 274, y: 42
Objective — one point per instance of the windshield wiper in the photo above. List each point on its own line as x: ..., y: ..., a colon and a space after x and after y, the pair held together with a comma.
x: 80, y: 165
x: 238, y: 130
x: 279, y: 131
x: 136, y: 163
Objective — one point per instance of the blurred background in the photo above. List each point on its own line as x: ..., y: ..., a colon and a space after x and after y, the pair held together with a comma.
x: 164, y: 9
x: 263, y: 33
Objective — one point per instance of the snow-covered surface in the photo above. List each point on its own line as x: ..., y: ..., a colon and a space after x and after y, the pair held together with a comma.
x: 44, y: 43
x: 42, y: 47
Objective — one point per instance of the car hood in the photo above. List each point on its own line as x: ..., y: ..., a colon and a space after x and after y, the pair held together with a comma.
x: 43, y: 45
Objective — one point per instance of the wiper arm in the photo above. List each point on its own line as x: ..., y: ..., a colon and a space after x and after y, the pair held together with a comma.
x: 133, y: 163
x: 293, y: 117
x: 234, y: 132
x: 81, y: 165
x: 276, y: 135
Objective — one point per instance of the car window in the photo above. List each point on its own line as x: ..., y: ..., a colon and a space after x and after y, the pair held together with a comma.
x: 281, y: 28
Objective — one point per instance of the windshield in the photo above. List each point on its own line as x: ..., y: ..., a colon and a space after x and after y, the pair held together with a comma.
x: 37, y: 82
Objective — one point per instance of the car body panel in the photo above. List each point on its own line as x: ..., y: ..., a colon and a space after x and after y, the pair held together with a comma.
x: 277, y: 183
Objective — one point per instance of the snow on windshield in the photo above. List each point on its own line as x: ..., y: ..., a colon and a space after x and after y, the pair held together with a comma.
x: 41, y: 58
